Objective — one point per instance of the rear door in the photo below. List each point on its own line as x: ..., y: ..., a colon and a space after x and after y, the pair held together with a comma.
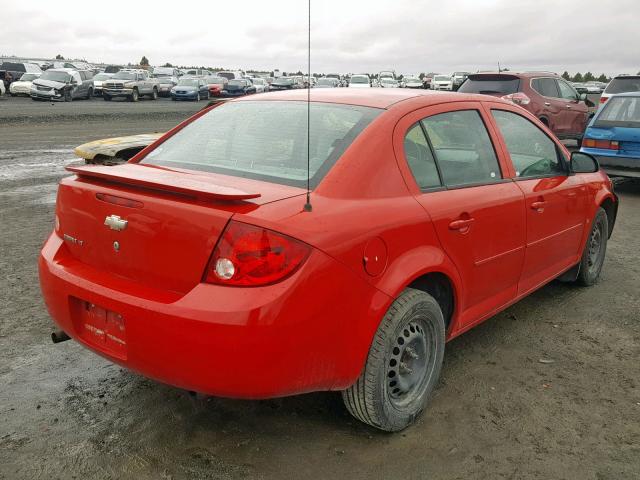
x: 476, y: 209
x: 555, y: 201
x: 552, y: 108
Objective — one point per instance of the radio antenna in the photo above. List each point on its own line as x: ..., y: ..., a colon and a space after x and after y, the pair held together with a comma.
x: 307, y: 206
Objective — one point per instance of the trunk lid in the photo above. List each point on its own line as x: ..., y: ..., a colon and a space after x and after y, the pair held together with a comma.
x: 153, y: 226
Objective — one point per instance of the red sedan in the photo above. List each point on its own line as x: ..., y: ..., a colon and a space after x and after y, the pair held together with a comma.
x: 199, y: 263
x: 216, y: 85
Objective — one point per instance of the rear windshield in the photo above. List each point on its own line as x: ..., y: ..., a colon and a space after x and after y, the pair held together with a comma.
x: 620, y: 112
x: 13, y: 67
x: 490, y: 84
x: 623, y: 85
x: 265, y: 140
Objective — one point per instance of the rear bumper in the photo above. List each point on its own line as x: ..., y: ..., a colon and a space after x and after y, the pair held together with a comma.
x: 617, y: 165
x: 300, y: 335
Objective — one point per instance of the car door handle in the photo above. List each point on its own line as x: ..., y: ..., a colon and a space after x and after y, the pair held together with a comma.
x: 539, y: 206
x: 462, y: 224
x: 547, y: 104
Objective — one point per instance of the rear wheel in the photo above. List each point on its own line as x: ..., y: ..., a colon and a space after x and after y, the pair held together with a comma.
x: 403, y: 365
x: 154, y: 94
x: 90, y: 94
x: 68, y: 96
x: 595, y: 250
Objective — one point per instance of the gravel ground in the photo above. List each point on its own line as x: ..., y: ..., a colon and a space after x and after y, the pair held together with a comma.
x: 498, y: 413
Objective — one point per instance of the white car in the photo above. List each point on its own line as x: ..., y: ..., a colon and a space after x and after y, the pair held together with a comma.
x: 387, y: 82
x: 98, y: 80
x: 23, y: 85
x: 442, y: 82
x: 260, y: 84
x: 412, y: 82
x: 2, y: 90
x: 359, y: 81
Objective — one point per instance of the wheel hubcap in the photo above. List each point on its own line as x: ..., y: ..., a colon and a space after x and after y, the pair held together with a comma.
x: 407, y: 366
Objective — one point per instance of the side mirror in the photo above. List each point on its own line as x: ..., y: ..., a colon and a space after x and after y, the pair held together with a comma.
x: 583, y: 163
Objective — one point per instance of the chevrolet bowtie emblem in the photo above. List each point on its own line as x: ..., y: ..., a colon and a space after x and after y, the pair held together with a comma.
x: 114, y: 222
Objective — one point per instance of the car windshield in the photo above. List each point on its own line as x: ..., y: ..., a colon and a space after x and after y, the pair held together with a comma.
x: 227, y: 75
x: 188, y: 82
x: 359, y: 79
x: 27, y: 77
x: 623, y: 85
x: 237, y: 83
x: 327, y: 81
x: 163, y: 71
x: 620, y: 112
x: 412, y: 80
x: 62, y: 77
x: 258, y: 81
x: 102, y: 76
x: 284, y: 81
x: 265, y: 140
x: 216, y: 80
x: 441, y: 78
x: 124, y: 76
x: 387, y: 80
x: 490, y: 84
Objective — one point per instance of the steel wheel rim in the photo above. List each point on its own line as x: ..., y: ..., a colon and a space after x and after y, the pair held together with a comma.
x: 595, y: 247
x: 410, y: 365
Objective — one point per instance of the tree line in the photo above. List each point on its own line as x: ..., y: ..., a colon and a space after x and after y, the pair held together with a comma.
x: 587, y: 77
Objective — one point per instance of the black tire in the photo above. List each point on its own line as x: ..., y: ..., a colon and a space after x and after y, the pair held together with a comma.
x: 107, y: 98
x: 595, y: 250
x: 198, y: 97
x: 68, y: 96
x: 14, y: 94
x: 134, y: 95
x: 90, y: 94
x: 154, y: 94
x: 403, y: 365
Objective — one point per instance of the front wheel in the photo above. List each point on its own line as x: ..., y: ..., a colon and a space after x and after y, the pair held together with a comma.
x: 90, y: 94
x: 107, y: 98
x: 403, y: 366
x: 154, y: 94
x: 198, y: 97
x: 595, y: 250
x: 134, y: 95
x: 68, y: 96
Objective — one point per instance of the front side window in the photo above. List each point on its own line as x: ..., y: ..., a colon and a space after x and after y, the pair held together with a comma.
x: 533, y: 153
x: 420, y: 158
x: 463, y: 148
x: 566, y: 91
x: 546, y: 87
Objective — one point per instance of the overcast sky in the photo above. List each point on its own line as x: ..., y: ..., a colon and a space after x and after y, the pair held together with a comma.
x: 410, y: 36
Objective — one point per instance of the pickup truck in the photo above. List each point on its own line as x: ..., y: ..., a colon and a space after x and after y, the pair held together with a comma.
x: 131, y: 84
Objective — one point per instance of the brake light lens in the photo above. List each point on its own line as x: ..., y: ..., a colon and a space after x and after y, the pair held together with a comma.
x: 604, y: 144
x: 251, y: 256
x: 604, y: 99
x: 518, y: 98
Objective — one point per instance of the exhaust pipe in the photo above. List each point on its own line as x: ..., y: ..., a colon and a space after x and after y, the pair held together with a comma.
x: 59, y: 336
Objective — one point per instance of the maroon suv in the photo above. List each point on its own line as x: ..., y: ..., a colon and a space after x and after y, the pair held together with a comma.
x: 556, y: 103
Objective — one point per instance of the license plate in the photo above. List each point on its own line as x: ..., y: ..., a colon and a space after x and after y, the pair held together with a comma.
x: 102, y: 328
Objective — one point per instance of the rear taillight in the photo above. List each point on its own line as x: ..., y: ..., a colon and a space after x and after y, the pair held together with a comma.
x: 518, y: 98
x: 250, y: 256
x: 604, y: 99
x: 604, y: 144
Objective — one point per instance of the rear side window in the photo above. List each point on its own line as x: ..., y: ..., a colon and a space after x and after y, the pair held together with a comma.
x: 420, y: 158
x: 265, y: 140
x: 623, y: 85
x: 533, y: 153
x: 491, y: 84
x: 463, y: 148
x: 547, y: 87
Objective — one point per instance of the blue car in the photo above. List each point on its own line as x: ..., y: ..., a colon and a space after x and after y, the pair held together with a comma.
x: 190, y: 89
x: 613, y: 136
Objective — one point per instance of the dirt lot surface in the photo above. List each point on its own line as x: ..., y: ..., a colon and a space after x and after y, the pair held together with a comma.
x: 549, y: 389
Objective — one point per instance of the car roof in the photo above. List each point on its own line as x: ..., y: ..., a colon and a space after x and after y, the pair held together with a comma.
x: 519, y: 74
x: 375, y: 98
x: 626, y: 94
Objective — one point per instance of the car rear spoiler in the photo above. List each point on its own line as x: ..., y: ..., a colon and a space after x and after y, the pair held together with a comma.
x: 197, y: 185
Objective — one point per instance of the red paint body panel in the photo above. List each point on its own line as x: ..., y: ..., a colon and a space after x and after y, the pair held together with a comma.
x: 372, y: 232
